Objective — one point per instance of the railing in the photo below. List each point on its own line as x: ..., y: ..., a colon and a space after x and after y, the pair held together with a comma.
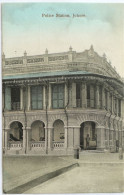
x: 58, y: 145
x: 40, y: 144
x: 15, y: 145
x: 15, y: 106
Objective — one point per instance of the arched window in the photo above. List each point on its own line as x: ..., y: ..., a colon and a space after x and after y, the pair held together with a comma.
x: 16, y: 131
x: 37, y: 131
x: 58, y: 131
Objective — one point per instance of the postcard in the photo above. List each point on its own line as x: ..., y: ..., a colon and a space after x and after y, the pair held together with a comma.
x: 62, y: 97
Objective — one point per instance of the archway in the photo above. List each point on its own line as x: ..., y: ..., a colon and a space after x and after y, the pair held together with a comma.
x: 37, y: 131
x: 58, y: 131
x: 16, y: 131
x: 88, y: 136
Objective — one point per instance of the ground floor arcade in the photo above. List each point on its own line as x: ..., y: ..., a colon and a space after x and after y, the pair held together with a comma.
x: 85, y: 131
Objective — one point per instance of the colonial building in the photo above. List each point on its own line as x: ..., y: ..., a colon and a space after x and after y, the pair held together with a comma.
x: 53, y: 102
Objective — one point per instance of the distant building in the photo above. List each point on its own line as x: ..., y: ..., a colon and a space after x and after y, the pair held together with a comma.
x: 52, y: 102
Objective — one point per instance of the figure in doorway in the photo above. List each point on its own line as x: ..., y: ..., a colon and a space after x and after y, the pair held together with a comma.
x: 87, y: 141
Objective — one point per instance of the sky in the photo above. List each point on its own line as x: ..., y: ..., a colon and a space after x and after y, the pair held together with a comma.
x: 24, y: 28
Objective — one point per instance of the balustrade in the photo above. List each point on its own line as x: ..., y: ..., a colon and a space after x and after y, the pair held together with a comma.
x: 58, y: 145
x: 15, y: 145
x: 38, y: 144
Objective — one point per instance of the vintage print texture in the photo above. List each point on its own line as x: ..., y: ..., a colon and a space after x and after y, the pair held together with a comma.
x: 62, y: 97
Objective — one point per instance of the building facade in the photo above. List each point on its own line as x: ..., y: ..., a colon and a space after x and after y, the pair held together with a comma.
x: 53, y: 102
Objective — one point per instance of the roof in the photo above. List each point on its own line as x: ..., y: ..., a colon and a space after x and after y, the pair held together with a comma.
x: 45, y: 74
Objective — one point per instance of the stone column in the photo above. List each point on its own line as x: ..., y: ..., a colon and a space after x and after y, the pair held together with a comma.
x: 107, y: 138
x: 100, y: 138
x: 50, y: 96
x: 21, y: 98
x: 112, y: 104
x: 103, y: 97
x: 108, y: 102
x: 66, y: 94
x: 44, y: 98
x: 24, y: 139
x: 46, y: 140
x: 29, y: 98
x: 66, y: 137
x: 73, y: 95
x: 92, y: 96
x: 28, y: 131
x: 97, y: 96
x: 50, y: 140
x: 84, y: 95
x: 117, y: 106
x: 6, y: 132
x: 76, y: 136
x: 70, y: 137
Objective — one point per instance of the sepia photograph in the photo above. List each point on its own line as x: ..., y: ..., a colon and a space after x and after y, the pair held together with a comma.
x: 62, y: 67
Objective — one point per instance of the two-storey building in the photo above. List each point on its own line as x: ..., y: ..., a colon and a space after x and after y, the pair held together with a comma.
x: 52, y: 102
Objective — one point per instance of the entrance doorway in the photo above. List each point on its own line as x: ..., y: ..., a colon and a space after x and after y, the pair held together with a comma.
x: 88, y: 136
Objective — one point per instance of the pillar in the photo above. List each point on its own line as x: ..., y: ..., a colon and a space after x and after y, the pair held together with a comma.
x: 108, y: 102
x: 28, y: 131
x: 24, y: 139
x: 73, y: 95
x: 84, y: 95
x: 50, y: 95
x: 21, y: 98
x: 70, y: 137
x: 6, y: 138
x: 91, y: 96
x: 116, y: 106
x: 46, y: 140
x: 103, y: 97
x: 44, y: 98
x: 100, y: 138
x: 66, y: 137
x: 107, y: 138
x: 97, y: 96
x: 76, y: 136
x: 112, y: 110
x: 29, y: 98
x: 50, y: 140
x: 66, y: 95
